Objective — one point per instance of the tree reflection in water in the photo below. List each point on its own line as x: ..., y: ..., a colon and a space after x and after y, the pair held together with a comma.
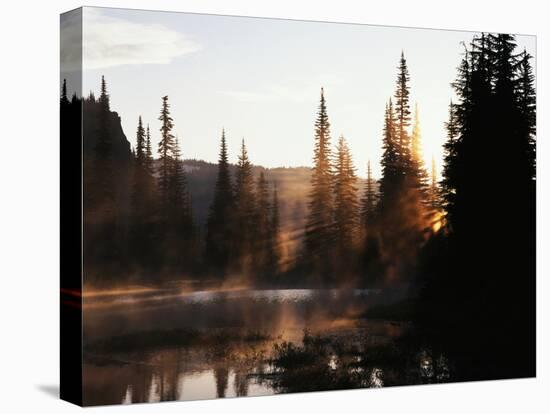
x: 251, y: 345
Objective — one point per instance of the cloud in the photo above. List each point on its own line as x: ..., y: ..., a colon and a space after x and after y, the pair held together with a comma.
x: 71, y: 41
x: 113, y: 41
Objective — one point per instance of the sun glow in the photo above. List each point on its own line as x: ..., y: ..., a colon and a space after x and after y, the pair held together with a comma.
x: 438, y: 221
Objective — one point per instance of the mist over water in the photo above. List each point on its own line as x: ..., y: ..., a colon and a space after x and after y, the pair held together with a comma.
x: 151, y: 344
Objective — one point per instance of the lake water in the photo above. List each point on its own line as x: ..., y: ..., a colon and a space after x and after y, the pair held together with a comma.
x: 147, y: 345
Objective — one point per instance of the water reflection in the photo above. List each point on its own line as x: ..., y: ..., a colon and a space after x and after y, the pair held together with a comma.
x: 216, y: 344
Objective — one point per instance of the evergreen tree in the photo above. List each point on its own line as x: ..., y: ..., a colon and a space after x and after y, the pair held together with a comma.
x: 318, y: 233
x: 245, y: 210
x: 491, y: 239
x: 403, y: 113
x: 449, y: 156
x: 103, y: 146
x: 176, y: 221
x: 148, y: 152
x: 391, y: 175
x: 418, y: 176
x: 103, y: 186
x: 526, y: 100
x: 166, y: 148
x: 64, y: 98
x: 107, y: 172
x: 417, y: 159
x: 140, y: 144
x: 181, y: 214
x: 180, y: 199
x: 142, y: 213
x: 401, y: 216
x: 345, y: 201
x: 219, y: 229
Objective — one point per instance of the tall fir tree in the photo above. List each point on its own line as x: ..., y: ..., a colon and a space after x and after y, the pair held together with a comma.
x: 140, y: 144
x: 220, y: 223
x: 166, y: 148
x: 418, y: 176
x: 527, y: 100
x: 345, y: 202
x: 403, y: 113
x: 142, y: 205
x: 180, y: 199
x: 64, y: 99
x: 318, y: 233
x: 391, y: 179
x: 148, y: 152
x: 181, y: 214
x: 103, y: 188
x: 245, y: 210
x: 104, y: 143
x: 417, y: 157
x: 449, y: 156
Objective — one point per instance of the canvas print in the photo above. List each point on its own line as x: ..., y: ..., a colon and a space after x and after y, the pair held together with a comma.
x: 262, y: 206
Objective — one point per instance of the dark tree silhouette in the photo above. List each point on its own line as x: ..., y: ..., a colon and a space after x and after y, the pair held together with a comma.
x: 403, y: 186
x: 391, y: 175
x: 144, y: 223
x: 103, y: 153
x: 245, y: 213
x: 148, y: 152
x: 489, y: 285
x: 449, y: 156
x: 101, y: 189
x: 527, y: 101
x: 64, y: 99
x: 318, y: 233
x: 175, y: 214
x: 180, y: 230
x: 107, y: 172
x: 140, y: 143
x: 219, y: 229
x: 403, y: 113
x: 180, y: 199
x: 166, y: 148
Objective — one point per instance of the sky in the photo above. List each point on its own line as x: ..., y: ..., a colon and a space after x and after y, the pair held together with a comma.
x: 260, y: 79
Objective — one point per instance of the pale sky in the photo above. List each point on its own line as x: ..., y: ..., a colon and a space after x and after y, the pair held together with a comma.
x: 261, y: 78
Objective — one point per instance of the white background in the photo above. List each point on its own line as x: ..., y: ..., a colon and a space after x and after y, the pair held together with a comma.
x: 29, y: 206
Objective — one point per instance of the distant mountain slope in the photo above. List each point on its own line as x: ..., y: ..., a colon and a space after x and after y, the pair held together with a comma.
x: 293, y: 186
x: 293, y: 183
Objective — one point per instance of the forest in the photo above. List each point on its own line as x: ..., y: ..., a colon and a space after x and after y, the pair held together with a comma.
x: 138, y: 208
x: 463, y: 246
